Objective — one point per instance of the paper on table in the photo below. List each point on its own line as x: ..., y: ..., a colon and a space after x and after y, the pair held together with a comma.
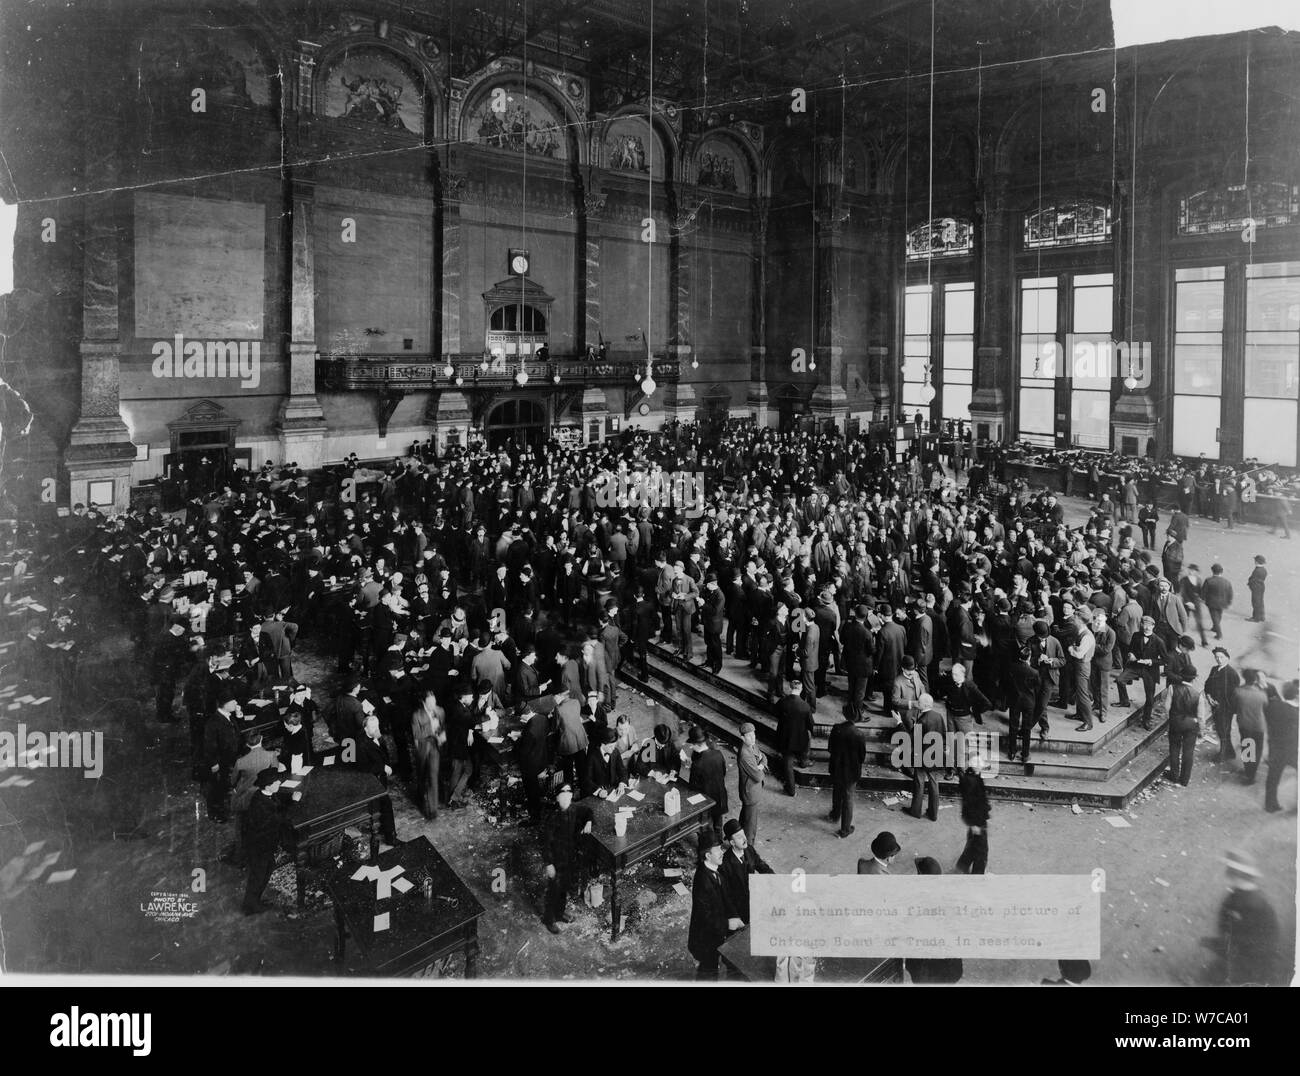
x: 1118, y: 822
x: 61, y: 876
x: 402, y: 885
x: 381, y: 922
x: 496, y: 739
x: 672, y: 872
x: 699, y: 797
x: 614, y: 797
x: 304, y: 771
x: 679, y: 888
x: 633, y: 794
x: 328, y: 760
x: 290, y: 784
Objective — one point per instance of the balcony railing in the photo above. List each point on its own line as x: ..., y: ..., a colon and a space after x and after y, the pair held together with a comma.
x: 399, y: 373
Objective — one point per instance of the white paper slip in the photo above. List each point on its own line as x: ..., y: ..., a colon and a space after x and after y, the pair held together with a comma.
x: 1118, y: 822
x: 614, y: 797
x: 679, y: 888
x: 10, y: 781
x: 303, y: 771
x: 26, y: 698
x: 633, y: 794
x: 259, y: 703
x: 672, y: 872
x: 381, y: 922
x: 61, y: 876
x: 699, y: 797
x: 41, y: 701
x: 290, y: 784
x: 328, y: 760
x: 32, y: 849
x: 21, y: 783
x: 402, y: 885
x: 496, y: 739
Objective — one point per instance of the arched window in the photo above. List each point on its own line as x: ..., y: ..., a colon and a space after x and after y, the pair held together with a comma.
x: 1068, y: 224
x: 513, y: 319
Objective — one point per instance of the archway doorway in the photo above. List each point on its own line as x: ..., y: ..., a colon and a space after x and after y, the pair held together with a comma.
x: 516, y: 422
x: 789, y: 409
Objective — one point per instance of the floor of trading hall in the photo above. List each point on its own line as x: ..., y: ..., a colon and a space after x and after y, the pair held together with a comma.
x: 148, y: 833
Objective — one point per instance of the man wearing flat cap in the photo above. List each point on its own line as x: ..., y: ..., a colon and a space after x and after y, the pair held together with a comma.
x: 1147, y: 657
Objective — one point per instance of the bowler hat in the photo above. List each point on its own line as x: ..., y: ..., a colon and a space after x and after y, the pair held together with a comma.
x: 885, y: 845
x: 731, y: 827
x: 697, y: 735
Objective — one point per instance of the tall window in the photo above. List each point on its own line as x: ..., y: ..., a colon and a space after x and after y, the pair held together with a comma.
x: 1272, y: 362
x: 958, y: 349
x: 1198, y: 360
x: 1037, y: 360
x: 1066, y: 360
x: 1090, y: 355
x: 916, y: 349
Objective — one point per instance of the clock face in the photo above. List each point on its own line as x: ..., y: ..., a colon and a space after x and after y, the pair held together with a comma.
x: 519, y: 264
x: 644, y: 409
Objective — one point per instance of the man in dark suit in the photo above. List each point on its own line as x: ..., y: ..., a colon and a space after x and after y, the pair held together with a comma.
x: 715, y: 604
x: 738, y: 863
x: 645, y: 615
x: 709, y: 773
x: 531, y: 753
x: 961, y: 629
x: 220, y: 751
x: 712, y: 917
x: 1217, y: 595
x: 891, y: 647
x: 794, y: 729
x: 1255, y: 584
x: 604, y: 771
x: 1023, y: 684
x: 848, y: 748
x: 937, y: 970
x: 261, y: 837
x: 883, y: 850
x: 564, y: 829
x: 372, y: 757
x: 275, y: 646
x: 856, y: 647
x: 1147, y: 658
x: 933, y: 727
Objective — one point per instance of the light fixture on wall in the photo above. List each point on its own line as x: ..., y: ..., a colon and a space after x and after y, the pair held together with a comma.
x: 449, y: 371
x: 459, y: 380
x: 927, y: 389
x: 483, y: 366
x: 521, y: 378
x: 555, y: 377
x: 695, y: 362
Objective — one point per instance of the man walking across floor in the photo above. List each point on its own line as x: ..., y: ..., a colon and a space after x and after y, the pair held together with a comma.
x: 1256, y: 586
x: 1217, y: 594
x: 848, y: 751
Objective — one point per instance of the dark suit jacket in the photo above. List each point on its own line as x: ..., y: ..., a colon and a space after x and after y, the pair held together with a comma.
x: 735, y: 873
x: 794, y: 725
x: 856, y: 642
x: 848, y: 749
x: 600, y: 772
x: 277, y: 638
x: 709, y: 775
x: 710, y: 912
x: 891, y: 645
x: 372, y: 757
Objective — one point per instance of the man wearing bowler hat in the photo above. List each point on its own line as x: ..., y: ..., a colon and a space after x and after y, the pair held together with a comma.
x: 709, y: 774
x: 712, y: 916
x: 738, y: 863
x: 883, y: 850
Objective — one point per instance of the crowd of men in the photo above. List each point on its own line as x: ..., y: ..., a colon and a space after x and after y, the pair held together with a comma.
x: 460, y: 586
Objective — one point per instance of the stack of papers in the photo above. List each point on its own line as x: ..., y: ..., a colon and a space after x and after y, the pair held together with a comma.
x: 699, y: 797
x: 633, y: 794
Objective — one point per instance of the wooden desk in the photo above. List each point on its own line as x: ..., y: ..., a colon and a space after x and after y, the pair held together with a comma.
x: 648, y: 830
x: 741, y: 965
x: 420, y: 932
x: 333, y: 798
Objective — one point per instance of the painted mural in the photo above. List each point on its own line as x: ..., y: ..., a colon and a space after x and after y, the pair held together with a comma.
x: 630, y: 146
x: 369, y: 86
x: 722, y: 168
x: 225, y: 65
x: 513, y: 120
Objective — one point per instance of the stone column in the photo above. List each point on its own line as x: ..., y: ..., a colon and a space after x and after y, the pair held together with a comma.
x: 681, y: 280
x: 885, y: 256
x: 454, y: 187
x: 757, y: 397
x: 1138, y: 244
x: 995, y: 367
x: 829, y: 400
x: 100, y: 448
x: 593, y: 216
x: 301, y: 420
